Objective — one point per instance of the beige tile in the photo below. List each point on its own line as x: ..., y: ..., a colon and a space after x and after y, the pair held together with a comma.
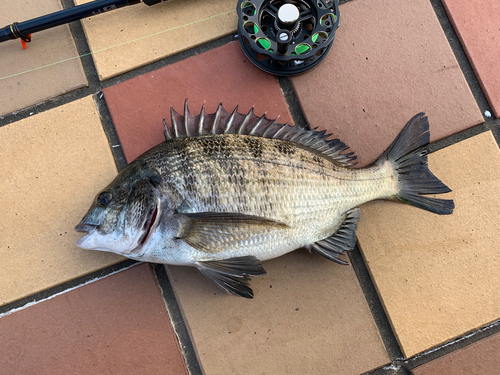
x: 309, y: 316
x: 134, y: 36
x: 390, y: 60
x: 51, y: 166
x: 48, y: 47
x: 439, y: 276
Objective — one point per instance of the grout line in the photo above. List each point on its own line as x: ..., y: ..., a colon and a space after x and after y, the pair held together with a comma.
x: 65, y: 287
x: 110, y: 131
x: 83, y: 50
x: 178, y: 324
x: 458, y: 137
x: 453, y: 345
x: 292, y: 101
x: 375, y: 304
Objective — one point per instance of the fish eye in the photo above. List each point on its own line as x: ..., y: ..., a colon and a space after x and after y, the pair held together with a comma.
x: 103, y: 199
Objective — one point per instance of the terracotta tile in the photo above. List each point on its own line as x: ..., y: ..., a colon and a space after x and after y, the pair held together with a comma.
x: 131, y: 37
x: 138, y: 105
x: 47, y: 47
x: 52, y: 166
x: 309, y: 316
x: 116, y: 325
x: 439, y: 276
x: 479, y: 358
x: 386, y: 65
x: 476, y: 24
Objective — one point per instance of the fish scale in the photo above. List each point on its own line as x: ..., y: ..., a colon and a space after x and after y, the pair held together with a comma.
x: 225, y: 192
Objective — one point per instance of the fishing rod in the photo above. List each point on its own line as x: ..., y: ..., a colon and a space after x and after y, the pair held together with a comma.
x: 23, y: 30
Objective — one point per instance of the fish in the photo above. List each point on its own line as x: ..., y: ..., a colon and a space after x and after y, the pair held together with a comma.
x: 226, y: 191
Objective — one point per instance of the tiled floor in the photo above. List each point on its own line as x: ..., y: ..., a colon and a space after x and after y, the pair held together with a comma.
x: 421, y: 295
x: 54, y: 45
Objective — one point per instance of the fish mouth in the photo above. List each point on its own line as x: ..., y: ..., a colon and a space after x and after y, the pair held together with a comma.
x: 84, y: 228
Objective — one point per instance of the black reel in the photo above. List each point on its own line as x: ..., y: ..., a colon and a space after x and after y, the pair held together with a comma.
x: 287, y: 37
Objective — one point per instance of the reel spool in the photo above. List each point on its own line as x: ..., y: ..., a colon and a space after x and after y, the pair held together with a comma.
x: 287, y: 37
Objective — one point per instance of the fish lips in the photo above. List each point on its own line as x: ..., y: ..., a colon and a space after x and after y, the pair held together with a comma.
x: 84, y: 228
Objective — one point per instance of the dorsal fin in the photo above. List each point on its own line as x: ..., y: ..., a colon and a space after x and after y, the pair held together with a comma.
x: 222, y: 122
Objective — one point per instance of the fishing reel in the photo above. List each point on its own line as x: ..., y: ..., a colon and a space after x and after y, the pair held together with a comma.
x: 287, y: 37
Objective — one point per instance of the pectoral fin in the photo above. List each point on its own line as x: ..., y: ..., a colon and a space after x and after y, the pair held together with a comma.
x: 344, y: 239
x: 232, y: 275
x: 214, y: 232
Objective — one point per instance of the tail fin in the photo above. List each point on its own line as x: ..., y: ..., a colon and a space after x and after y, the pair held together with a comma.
x: 410, y: 164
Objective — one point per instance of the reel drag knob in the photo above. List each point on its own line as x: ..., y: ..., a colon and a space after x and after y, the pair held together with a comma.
x: 288, y: 14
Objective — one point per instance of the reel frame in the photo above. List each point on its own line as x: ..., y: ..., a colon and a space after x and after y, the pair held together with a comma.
x: 287, y: 37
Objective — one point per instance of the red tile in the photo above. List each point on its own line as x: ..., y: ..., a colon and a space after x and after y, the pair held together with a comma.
x: 480, y: 358
x: 224, y: 74
x: 390, y: 60
x: 477, y: 26
x: 116, y: 325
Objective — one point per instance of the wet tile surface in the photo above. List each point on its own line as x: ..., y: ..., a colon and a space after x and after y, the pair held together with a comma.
x: 309, y: 316
x: 51, y: 168
x: 438, y: 276
x: 298, y: 281
x: 116, y: 325
x: 138, y: 105
x: 131, y: 37
x: 480, y: 358
x: 476, y: 23
x: 385, y: 66
x: 47, y: 47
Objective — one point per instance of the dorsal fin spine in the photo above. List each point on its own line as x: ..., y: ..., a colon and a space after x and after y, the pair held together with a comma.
x: 166, y: 131
x: 257, y: 124
x: 299, y: 133
x: 216, y: 119
x: 245, y: 121
x: 230, y: 120
x: 201, y: 119
x: 270, y: 126
x: 280, y: 130
x: 187, y: 115
x: 174, y: 122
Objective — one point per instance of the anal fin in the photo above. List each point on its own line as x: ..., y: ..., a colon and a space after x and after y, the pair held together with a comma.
x: 344, y: 239
x: 232, y: 275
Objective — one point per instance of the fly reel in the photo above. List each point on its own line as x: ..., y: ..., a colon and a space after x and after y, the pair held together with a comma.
x: 287, y: 37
